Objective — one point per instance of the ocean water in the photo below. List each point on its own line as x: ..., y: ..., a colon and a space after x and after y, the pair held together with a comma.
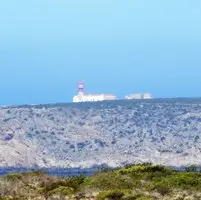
x: 61, y: 172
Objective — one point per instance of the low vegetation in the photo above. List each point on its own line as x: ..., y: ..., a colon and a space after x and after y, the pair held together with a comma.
x: 133, y: 182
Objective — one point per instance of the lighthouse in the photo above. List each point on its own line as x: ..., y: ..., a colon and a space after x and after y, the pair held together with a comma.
x: 82, y: 97
x: 80, y: 88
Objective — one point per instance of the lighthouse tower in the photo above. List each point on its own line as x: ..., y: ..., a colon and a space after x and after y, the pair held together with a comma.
x: 80, y: 88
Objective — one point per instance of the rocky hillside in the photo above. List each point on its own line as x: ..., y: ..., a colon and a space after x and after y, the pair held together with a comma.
x: 118, y: 132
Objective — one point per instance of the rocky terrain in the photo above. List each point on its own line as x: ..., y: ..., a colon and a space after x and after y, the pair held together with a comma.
x: 163, y: 131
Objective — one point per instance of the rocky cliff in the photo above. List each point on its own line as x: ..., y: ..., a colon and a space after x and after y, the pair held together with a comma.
x: 117, y: 132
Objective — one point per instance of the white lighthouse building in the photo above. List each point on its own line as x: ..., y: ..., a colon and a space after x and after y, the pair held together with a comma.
x: 82, y: 97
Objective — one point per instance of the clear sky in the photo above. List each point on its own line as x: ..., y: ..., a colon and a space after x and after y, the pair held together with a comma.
x: 115, y: 46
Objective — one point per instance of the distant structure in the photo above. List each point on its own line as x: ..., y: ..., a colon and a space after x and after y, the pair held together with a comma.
x: 139, y: 96
x: 82, y: 97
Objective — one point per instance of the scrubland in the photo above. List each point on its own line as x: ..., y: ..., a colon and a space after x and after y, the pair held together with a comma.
x: 132, y: 182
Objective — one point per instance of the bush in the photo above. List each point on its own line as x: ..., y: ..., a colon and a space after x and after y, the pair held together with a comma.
x: 68, y: 185
x: 160, y: 187
x: 61, y: 190
x: 191, y: 168
x: 78, y: 179
x: 184, y: 180
x: 13, y: 177
x: 114, y: 195
x: 145, y: 168
x: 110, y: 180
x: 163, y: 190
x: 34, y: 173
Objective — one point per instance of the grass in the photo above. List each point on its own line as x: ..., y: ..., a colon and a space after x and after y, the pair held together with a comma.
x: 132, y: 182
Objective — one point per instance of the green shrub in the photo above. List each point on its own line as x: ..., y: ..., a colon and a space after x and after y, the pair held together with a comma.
x: 163, y: 190
x: 160, y: 187
x: 191, y: 168
x: 68, y: 185
x: 146, y: 171
x: 61, y: 190
x: 184, y: 180
x: 114, y: 195
x: 78, y: 179
x: 36, y: 173
x: 111, y: 180
x: 13, y: 177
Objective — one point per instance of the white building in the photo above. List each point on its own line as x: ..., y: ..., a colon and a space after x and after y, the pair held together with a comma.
x: 82, y: 97
x: 147, y: 96
x: 93, y: 97
x: 139, y: 96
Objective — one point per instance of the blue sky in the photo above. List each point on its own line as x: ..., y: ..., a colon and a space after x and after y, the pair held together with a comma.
x: 115, y: 46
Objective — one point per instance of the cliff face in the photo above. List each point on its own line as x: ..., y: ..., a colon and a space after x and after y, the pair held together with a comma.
x: 115, y: 133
